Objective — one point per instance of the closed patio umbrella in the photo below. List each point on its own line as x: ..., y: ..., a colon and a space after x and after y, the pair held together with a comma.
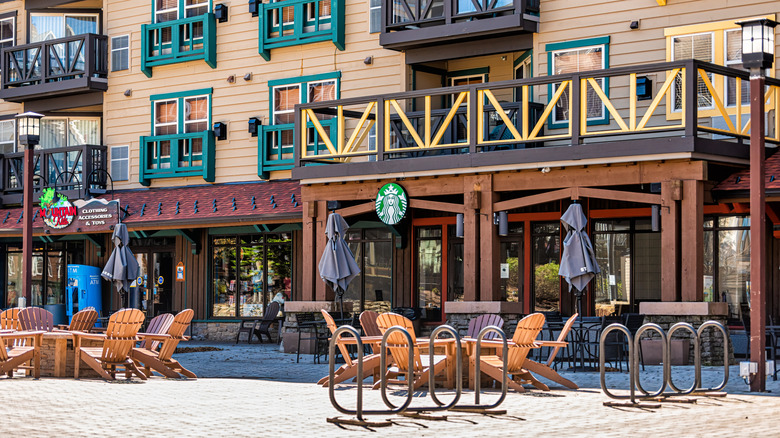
x: 337, y: 265
x: 122, y: 268
x: 578, y: 261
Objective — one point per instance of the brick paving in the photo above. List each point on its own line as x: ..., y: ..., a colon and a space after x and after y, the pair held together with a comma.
x: 257, y: 391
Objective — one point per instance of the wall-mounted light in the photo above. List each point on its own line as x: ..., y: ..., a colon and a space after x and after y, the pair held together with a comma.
x: 254, y: 126
x: 333, y: 205
x: 655, y: 217
x: 128, y: 92
x: 644, y: 88
x: 221, y: 12
x: 545, y: 169
x: 369, y: 60
x: 231, y: 79
x: 220, y: 131
x: 634, y: 25
x: 253, y: 7
x: 459, y: 225
x: 502, y: 220
x: 248, y: 76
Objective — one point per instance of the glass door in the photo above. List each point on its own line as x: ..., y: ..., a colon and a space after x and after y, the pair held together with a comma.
x: 154, y: 285
x: 429, y: 272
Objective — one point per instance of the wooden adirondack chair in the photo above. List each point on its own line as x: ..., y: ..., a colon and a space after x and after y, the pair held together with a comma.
x: 349, y: 369
x: 83, y: 321
x: 9, y: 319
x: 368, y: 323
x: 36, y: 318
x: 19, y: 356
x: 545, y: 369
x: 399, y: 349
x: 526, y: 332
x: 162, y: 361
x: 477, y: 324
x: 159, y: 325
x: 118, y: 342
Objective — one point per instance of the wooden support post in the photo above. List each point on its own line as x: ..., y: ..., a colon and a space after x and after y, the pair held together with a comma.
x: 758, y: 256
x: 471, y: 273
x: 308, y: 264
x: 321, y: 292
x: 692, y: 241
x: 489, y: 245
x: 671, y: 193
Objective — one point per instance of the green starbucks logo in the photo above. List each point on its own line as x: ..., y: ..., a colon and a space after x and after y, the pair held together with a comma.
x: 391, y: 203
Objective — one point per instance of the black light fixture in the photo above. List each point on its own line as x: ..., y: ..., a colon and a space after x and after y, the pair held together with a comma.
x: 29, y: 128
x: 655, y: 218
x: 644, y: 88
x: 502, y: 220
x: 220, y: 131
x: 253, y: 7
x: 459, y: 225
x: 333, y: 205
x: 634, y: 25
x: 221, y: 12
x: 758, y: 43
x: 254, y: 126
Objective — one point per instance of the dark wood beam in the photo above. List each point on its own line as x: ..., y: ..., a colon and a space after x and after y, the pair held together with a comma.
x: 437, y: 206
x: 357, y: 209
x: 541, y: 198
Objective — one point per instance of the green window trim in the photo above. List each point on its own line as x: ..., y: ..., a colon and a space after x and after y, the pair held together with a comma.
x: 274, y: 32
x: 573, y: 45
x: 271, y: 157
x: 154, y: 164
x: 156, y: 51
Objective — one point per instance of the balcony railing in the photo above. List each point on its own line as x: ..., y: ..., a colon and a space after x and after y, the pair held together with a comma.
x: 275, y: 147
x: 412, y: 23
x: 294, y: 22
x: 186, y: 39
x: 52, y: 68
x: 65, y: 169
x: 177, y: 155
x: 693, y: 107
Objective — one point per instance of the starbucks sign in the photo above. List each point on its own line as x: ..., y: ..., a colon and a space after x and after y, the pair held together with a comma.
x: 391, y: 203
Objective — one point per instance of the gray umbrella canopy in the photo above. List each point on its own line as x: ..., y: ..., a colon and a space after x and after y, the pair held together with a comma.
x: 578, y: 262
x: 122, y: 268
x: 337, y: 265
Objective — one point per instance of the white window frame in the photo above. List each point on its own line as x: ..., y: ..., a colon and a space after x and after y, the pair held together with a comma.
x: 451, y: 80
x: 158, y: 12
x: 601, y: 81
x: 174, y: 123
x: 13, y: 31
x: 377, y: 9
x: 325, y: 81
x: 126, y: 49
x: 125, y: 161
x: 525, y: 66
x: 195, y: 6
x: 64, y: 16
x: 290, y: 111
x: 13, y: 142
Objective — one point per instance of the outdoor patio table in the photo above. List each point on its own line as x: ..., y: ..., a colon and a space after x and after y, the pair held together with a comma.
x: 57, y: 355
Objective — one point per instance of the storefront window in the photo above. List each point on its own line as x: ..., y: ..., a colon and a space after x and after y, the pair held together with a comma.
x: 727, y: 262
x: 546, y: 255
x: 49, y: 263
x: 629, y: 255
x: 372, y: 289
x: 429, y: 270
x: 248, y: 272
x: 511, y: 272
x: 455, y: 274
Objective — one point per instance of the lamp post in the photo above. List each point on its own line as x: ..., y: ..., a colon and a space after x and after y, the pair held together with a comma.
x: 29, y: 130
x: 758, y: 47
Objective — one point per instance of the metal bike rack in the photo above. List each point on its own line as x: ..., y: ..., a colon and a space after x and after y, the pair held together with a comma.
x: 477, y: 407
x: 631, y: 364
x: 359, y: 412
x: 697, y: 356
x: 458, y: 369
x: 697, y: 359
x: 664, y: 353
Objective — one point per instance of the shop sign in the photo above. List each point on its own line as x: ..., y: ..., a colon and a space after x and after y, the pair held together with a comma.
x: 81, y: 216
x: 180, y: 271
x: 391, y: 203
x: 56, y: 211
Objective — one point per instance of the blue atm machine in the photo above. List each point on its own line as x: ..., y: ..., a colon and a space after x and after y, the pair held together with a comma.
x: 84, y: 289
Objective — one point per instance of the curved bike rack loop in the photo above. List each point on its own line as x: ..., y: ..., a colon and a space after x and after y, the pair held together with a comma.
x: 664, y: 353
x: 383, y: 367
x: 697, y: 349
x: 358, y: 411
x: 631, y: 366
x: 668, y: 358
x: 477, y: 387
x: 458, y: 370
